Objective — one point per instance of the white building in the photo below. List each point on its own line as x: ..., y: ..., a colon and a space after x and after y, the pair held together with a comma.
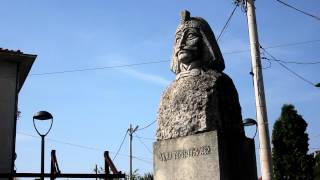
x: 14, y: 69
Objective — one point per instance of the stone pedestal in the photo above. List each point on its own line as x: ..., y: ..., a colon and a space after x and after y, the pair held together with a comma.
x: 206, y: 156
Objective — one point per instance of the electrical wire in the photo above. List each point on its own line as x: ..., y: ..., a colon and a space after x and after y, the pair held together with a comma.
x: 299, y: 76
x: 162, y: 61
x: 293, y: 62
x: 120, y: 146
x: 143, y: 159
x: 144, y: 144
x: 227, y: 23
x: 269, y: 65
x: 275, y: 46
x: 292, y: 44
x: 147, y: 125
x: 292, y: 7
x: 98, y: 68
x: 287, y: 68
x: 66, y: 143
x: 151, y: 139
x: 268, y: 60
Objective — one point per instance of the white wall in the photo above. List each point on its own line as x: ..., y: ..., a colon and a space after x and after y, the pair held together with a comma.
x: 7, y: 114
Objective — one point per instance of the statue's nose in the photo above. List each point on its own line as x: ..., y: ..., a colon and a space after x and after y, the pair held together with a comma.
x: 181, y: 42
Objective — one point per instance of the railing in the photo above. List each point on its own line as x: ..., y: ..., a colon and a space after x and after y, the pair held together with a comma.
x: 56, y: 173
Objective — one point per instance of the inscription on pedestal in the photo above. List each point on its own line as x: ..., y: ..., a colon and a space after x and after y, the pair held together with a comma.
x: 184, y: 153
x: 187, y: 158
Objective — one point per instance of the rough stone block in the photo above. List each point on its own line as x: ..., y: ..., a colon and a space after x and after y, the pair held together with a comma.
x: 195, y: 104
x: 205, y: 156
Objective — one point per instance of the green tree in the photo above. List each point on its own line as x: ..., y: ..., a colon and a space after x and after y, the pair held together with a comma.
x: 317, y: 166
x: 137, y: 176
x: 291, y: 160
x: 147, y: 176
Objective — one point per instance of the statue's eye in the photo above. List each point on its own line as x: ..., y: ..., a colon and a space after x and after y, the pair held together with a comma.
x: 191, y: 36
x: 177, y: 39
x: 178, y: 36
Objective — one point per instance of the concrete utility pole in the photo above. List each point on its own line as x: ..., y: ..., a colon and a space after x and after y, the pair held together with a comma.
x: 265, y: 150
x: 131, y: 131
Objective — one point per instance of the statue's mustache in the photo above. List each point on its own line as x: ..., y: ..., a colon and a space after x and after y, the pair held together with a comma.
x: 186, y: 48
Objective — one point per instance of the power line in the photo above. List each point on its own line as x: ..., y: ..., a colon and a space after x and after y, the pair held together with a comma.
x: 269, y: 64
x: 120, y: 146
x: 66, y: 143
x: 82, y: 146
x: 143, y: 160
x: 98, y: 68
x: 293, y: 62
x: 287, y: 68
x: 228, y: 21
x: 144, y: 144
x: 76, y: 145
x: 292, y: 7
x: 299, y: 76
x: 147, y: 125
x: 151, y: 139
x: 162, y: 61
x: 292, y: 44
x: 275, y: 46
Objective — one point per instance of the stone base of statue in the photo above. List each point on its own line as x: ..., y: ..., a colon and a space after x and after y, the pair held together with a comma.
x: 205, y: 156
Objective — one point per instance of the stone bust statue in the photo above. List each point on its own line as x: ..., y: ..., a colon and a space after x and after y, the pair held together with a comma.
x: 196, y: 49
x: 202, y: 98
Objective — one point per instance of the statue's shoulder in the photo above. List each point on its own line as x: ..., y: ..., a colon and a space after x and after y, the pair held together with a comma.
x: 224, y: 79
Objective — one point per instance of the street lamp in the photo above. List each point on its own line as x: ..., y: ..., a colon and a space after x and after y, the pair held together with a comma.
x: 42, y: 116
x: 250, y: 122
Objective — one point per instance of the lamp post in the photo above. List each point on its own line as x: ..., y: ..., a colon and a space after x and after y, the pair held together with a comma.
x: 250, y: 122
x: 42, y: 116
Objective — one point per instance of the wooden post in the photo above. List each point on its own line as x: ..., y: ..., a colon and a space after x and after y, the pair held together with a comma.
x: 106, y: 164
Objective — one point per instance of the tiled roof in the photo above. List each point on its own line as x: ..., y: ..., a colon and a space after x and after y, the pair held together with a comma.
x: 11, y: 51
x: 24, y: 61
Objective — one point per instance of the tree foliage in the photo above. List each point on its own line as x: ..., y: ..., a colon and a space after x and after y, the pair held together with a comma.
x: 291, y: 160
x: 147, y: 176
x: 317, y: 166
x: 137, y: 176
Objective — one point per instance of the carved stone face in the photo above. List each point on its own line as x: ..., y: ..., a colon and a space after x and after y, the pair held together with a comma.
x: 188, y: 42
x: 195, y: 46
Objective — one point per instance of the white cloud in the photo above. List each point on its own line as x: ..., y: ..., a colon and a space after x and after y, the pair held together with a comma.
x: 117, y: 60
x: 146, y: 77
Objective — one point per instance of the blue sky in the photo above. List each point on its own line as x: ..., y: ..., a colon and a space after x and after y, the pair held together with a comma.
x: 94, y: 108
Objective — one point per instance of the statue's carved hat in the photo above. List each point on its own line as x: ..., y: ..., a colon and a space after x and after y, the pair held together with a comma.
x: 211, y: 56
